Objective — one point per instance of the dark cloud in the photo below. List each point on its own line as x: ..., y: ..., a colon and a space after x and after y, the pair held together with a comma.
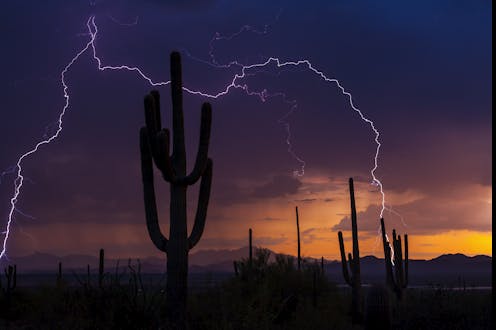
x: 427, y: 216
x: 271, y: 219
x: 278, y: 186
x: 429, y: 95
x: 306, y: 200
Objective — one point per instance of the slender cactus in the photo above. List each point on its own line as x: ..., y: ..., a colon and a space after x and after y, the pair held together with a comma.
x: 88, y: 276
x: 354, y: 262
x: 397, y: 280
x: 298, y: 236
x: 154, y: 146
x: 101, y: 268
x: 250, y: 247
x: 14, y: 281
x: 322, y: 265
x: 59, y: 275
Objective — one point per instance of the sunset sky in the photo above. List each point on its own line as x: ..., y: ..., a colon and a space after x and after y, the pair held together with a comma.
x: 420, y: 70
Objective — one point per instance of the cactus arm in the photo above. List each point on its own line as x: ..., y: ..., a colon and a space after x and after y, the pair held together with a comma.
x: 158, y: 138
x: 156, y: 97
x: 202, y: 154
x: 149, y: 194
x: 179, y: 148
x: 346, y: 275
x: 201, y: 211
x: 163, y: 142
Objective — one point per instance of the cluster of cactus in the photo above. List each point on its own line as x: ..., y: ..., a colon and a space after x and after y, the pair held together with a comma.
x: 354, y: 279
x: 397, y: 280
x: 154, y: 147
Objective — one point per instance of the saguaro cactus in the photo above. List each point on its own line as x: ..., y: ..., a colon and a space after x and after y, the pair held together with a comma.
x: 298, y: 236
x: 154, y: 145
x: 101, y: 268
x: 354, y: 262
x: 59, y: 275
x: 397, y: 280
x: 250, y: 247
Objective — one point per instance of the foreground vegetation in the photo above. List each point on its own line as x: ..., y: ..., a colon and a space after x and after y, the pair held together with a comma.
x: 262, y: 296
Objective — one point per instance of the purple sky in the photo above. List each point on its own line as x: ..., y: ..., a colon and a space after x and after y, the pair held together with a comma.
x: 421, y: 71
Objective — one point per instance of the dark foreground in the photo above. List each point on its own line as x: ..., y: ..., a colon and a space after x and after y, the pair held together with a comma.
x: 275, y: 297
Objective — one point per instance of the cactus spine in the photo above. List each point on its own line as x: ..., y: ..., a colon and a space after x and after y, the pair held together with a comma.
x: 354, y: 262
x: 298, y: 236
x: 154, y: 147
x: 397, y: 280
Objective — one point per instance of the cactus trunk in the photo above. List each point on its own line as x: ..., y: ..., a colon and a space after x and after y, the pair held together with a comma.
x: 154, y: 146
x: 353, y: 263
x: 298, y: 237
x: 250, y: 248
x: 101, y: 268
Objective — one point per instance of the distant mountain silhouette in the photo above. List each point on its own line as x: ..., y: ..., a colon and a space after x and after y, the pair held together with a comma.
x: 448, y: 269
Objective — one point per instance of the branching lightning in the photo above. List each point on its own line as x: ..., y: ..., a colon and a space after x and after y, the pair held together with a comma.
x: 235, y: 83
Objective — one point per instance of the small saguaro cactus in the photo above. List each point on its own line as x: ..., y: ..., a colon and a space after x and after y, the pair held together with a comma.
x: 298, y: 237
x: 354, y: 262
x: 397, y: 280
x: 154, y: 146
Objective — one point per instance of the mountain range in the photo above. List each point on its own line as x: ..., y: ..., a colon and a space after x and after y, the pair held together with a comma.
x: 448, y: 269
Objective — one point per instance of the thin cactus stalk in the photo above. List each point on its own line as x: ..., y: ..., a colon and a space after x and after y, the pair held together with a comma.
x: 353, y: 280
x: 14, y: 281
x: 88, y: 276
x: 298, y: 236
x: 250, y: 247
x: 322, y: 265
x: 59, y: 275
x: 101, y: 268
x: 154, y: 146
x: 397, y: 274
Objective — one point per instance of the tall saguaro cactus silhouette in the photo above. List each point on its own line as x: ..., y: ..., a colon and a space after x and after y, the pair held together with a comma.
x: 154, y: 146
x: 398, y: 280
x: 298, y: 237
x: 354, y: 262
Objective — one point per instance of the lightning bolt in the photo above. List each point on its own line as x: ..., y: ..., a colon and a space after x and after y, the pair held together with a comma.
x: 244, y: 71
